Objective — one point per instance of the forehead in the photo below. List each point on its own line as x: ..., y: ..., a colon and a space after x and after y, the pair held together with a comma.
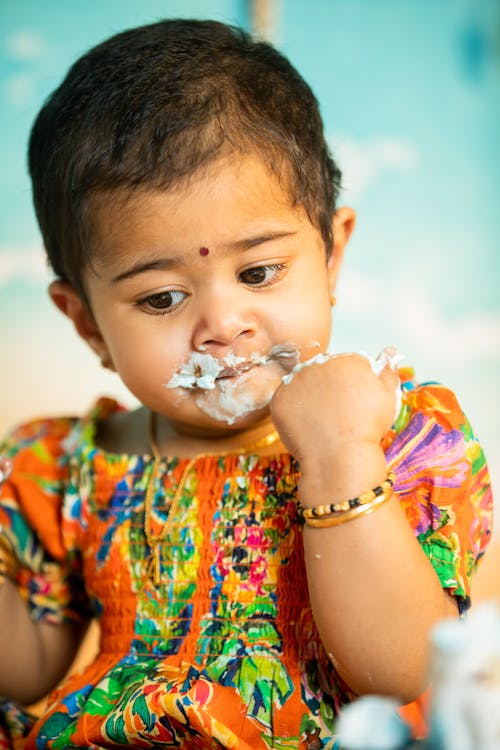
x: 227, y: 197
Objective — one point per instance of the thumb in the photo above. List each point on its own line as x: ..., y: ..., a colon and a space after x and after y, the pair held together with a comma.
x: 389, y: 377
x: 388, y: 361
x: 392, y: 385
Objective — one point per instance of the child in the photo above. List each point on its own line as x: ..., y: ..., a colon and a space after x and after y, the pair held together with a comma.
x: 258, y: 552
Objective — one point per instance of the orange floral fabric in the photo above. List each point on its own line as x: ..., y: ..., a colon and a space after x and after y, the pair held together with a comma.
x: 224, y: 652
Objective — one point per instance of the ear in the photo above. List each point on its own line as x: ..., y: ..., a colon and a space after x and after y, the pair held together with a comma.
x: 69, y: 302
x: 343, y: 223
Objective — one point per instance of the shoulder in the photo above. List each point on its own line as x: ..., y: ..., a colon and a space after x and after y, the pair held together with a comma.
x: 429, y: 409
x: 42, y: 441
x: 37, y: 452
x: 36, y: 464
x: 429, y: 398
x: 35, y: 435
x: 32, y: 486
x: 439, y: 463
x: 442, y: 480
x: 432, y: 438
x: 34, y: 455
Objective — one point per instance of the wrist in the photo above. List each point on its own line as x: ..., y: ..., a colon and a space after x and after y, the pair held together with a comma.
x: 343, y: 475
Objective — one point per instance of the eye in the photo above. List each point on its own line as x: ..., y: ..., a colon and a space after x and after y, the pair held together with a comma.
x: 162, y: 302
x: 261, y: 275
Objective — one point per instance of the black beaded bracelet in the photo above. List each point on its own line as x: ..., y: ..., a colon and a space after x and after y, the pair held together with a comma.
x: 318, y: 511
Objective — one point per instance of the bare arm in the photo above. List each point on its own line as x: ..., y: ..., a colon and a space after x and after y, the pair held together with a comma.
x: 33, y: 656
x: 374, y: 593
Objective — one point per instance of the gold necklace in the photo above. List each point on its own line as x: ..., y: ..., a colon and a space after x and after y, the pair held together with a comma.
x: 153, y: 569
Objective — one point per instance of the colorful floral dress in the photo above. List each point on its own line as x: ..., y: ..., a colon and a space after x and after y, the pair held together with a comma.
x: 223, y: 652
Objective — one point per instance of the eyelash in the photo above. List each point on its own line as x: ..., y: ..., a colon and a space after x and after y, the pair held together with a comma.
x: 146, y: 301
x: 276, y: 267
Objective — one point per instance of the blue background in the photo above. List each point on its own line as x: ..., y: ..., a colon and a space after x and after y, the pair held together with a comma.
x: 410, y: 93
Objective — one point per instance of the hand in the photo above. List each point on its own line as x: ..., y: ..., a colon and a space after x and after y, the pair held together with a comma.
x: 333, y: 406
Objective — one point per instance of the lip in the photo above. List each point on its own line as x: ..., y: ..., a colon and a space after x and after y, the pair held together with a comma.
x: 235, y: 370
x: 285, y: 354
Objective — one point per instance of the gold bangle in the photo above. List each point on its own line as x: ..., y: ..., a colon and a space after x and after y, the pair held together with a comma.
x: 349, y: 515
x: 366, y: 497
x: 8, y: 561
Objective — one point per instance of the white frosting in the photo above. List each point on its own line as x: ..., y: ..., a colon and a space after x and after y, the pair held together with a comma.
x: 388, y: 357
x: 233, y: 400
x: 225, y: 389
x: 318, y: 359
x: 234, y: 394
x: 200, y: 371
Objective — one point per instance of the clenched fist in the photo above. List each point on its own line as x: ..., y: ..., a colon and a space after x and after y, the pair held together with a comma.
x: 333, y: 414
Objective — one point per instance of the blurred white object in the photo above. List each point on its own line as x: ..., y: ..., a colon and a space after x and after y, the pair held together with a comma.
x: 372, y: 723
x: 465, y: 671
x: 465, y: 700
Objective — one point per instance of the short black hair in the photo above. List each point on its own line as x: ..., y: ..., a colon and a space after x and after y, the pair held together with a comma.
x: 150, y: 106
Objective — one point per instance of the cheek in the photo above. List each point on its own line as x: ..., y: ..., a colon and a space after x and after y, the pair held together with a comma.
x: 308, y: 320
x: 146, y: 355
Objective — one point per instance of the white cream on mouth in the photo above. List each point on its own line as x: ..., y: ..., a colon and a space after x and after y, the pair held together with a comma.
x: 203, y: 370
x: 233, y: 399
x: 225, y: 394
x: 223, y: 390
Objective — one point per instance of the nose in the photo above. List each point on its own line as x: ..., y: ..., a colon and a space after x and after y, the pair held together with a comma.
x: 224, y: 320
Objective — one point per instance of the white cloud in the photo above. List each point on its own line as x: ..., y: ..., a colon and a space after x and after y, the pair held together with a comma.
x: 29, y: 48
x: 26, y: 44
x: 472, y: 335
x: 20, y: 89
x: 359, y: 293
x: 420, y: 323
x: 362, y: 162
x: 19, y: 263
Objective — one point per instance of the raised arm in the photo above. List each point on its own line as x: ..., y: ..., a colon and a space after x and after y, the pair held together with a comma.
x: 374, y: 593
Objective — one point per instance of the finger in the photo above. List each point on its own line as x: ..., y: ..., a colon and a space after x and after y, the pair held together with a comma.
x: 389, y: 377
x: 390, y: 380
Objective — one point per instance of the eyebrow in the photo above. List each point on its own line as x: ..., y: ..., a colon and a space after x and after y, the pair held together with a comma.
x: 160, y: 264
x: 260, y: 239
x: 174, y: 261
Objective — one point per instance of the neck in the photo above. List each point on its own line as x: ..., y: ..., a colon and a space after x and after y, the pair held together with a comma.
x: 168, y: 439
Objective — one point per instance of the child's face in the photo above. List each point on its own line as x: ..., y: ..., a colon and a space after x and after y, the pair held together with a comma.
x: 223, y: 265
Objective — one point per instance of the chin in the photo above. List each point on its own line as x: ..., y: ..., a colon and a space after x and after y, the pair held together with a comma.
x: 240, y: 401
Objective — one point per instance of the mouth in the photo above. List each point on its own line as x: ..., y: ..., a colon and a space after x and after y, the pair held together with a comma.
x: 235, y: 370
x: 286, y: 354
x: 202, y: 371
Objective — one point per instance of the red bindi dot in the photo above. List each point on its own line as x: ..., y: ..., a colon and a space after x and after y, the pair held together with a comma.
x: 204, y: 251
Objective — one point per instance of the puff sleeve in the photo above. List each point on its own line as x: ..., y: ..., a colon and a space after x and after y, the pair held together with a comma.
x: 47, y: 574
x: 442, y: 484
